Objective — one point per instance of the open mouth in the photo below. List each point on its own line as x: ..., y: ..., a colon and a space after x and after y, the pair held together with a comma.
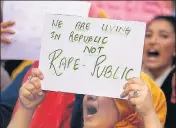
x: 91, y: 110
x: 153, y: 53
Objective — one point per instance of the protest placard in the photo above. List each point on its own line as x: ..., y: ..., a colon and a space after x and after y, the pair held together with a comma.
x: 29, y: 16
x: 90, y: 55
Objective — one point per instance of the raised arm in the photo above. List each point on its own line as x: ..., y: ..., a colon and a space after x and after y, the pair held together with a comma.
x: 140, y: 99
x: 151, y: 121
x: 31, y: 96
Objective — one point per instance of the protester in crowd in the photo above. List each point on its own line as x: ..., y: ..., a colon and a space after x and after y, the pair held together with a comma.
x: 146, y: 106
x: 9, y: 98
x: 9, y: 65
x: 5, y: 78
x: 9, y: 68
x: 10, y: 85
x: 57, y: 115
x: 158, y: 58
x: 62, y: 105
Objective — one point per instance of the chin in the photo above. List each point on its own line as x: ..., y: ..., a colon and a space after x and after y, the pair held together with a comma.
x: 152, y: 66
x: 90, y: 124
x: 94, y: 124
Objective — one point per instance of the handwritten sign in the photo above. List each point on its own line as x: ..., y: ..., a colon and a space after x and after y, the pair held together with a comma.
x: 90, y: 56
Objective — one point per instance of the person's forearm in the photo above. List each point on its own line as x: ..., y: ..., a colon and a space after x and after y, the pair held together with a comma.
x: 22, y: 118
x: 152, y: 121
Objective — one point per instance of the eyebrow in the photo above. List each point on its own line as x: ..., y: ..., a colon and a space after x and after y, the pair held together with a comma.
x: 164, y: 31
x: 161, y: 31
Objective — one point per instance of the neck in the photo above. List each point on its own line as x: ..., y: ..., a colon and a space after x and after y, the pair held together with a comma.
x: 156, y: 73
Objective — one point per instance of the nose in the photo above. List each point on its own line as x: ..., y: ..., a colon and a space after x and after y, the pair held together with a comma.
x: 153, y: 40
x: 90, y: 97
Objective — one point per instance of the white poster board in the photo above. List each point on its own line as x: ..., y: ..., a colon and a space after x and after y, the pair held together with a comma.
x: 29, y: 16
x: 90, y: 56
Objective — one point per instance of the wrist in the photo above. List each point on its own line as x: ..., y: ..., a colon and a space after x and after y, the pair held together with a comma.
x: 151, y: 120
x: 150, y: 115
x: 28, y: 110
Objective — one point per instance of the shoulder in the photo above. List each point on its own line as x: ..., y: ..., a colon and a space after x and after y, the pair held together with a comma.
x: 170, y: 75
x: 153, y: 87
x: 149, y: 81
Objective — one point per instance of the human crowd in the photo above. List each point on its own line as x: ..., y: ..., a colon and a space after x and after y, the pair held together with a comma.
x: 151, y: 97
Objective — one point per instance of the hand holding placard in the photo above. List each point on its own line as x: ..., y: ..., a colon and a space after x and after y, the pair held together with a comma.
x: 29, y: 16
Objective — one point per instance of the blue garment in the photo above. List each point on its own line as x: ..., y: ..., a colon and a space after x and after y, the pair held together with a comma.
x: 77, y: 113
x: 9, y: 98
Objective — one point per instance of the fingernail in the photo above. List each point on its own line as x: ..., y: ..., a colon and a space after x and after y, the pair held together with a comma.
x: 12, y: 21
x: 41, y: 76
x: 121, y: 95
x: 40, y: 93
x: 9, y: 41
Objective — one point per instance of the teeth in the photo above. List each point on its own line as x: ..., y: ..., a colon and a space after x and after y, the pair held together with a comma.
x: 153, y: 50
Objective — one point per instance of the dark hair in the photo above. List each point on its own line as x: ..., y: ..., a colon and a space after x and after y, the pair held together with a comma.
x: 1, y: 15
x: 172, y: 21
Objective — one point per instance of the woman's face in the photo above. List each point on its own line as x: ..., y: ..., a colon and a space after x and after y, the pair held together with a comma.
x: 99, y: 112
x: 159, y: 47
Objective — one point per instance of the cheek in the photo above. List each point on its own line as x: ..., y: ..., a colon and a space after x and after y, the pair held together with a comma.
x: 168, y: 49
x: 145, y: 48
x: 145, y: 45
